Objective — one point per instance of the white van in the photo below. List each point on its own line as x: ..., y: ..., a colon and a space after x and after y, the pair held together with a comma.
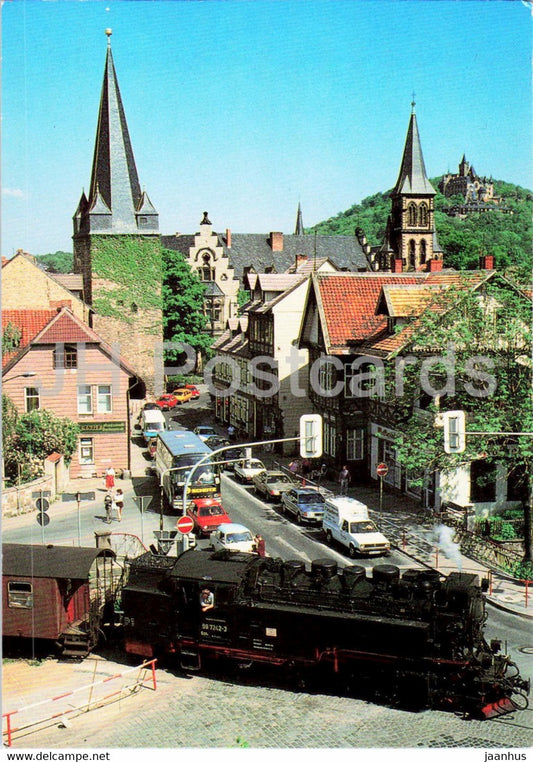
x: 346, y: 521
x: 152, y: 423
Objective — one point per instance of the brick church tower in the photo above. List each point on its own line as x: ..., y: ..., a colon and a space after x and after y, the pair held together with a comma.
x: 411, y: 239
x: 117, y: 246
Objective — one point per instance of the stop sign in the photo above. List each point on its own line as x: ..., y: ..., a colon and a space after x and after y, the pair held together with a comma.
x: 382, y: 469
x: 184, y: 524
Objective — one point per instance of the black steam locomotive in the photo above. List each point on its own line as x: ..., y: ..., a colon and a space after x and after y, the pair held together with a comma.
x: 414, y: 640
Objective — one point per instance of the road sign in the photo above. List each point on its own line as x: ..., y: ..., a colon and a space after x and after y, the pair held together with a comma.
x: 184, y: 525
x: 41, y: 493
x: 68, y: 497
x: 42, y: 504
x: 43, y: 519
x: 382, y: 469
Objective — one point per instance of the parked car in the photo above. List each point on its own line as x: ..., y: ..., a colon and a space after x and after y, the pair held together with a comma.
x: 216, y: 441
x: 166, y: 401
x: 204, y: 432
x: 271, y: 484
x: 182, y: 395
x: 207, y: 516
x: 306, y: 503
x: 195, y: 392
x: 233, y: 537
x: 232, y: 456
x: 245, y: 470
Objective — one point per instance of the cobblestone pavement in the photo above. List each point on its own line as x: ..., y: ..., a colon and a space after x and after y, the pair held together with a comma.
x: 203, y: 712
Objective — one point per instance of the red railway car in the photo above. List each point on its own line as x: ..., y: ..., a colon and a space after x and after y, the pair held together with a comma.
x: 57, y: 594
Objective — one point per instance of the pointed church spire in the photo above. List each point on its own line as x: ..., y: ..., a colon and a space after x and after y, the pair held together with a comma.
x: 299, y: 229
x: 412, y: 177
x: 114, y: 178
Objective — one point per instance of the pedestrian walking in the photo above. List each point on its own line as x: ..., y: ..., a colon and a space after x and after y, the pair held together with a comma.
x: 108, y: 503
x: 119, y: 503
x: 260, y: 548
x: 231, y: 433
x: 344, y: 480
x: 294, y: 467
x: 110, y: 478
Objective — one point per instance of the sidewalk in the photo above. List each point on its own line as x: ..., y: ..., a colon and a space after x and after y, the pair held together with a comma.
x: 413, y: 531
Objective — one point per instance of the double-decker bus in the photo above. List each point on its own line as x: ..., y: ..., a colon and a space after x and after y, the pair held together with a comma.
x: 179, y: 451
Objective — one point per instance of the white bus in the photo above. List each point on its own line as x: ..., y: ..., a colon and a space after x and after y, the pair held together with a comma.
x: 179, y: 451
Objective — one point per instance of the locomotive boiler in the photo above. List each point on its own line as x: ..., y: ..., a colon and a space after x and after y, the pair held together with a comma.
x: 411, y: 640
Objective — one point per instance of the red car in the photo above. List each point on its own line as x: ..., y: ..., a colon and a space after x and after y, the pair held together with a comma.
x: 166, y: 401
x: 207, y: 514
x: 195, y: 392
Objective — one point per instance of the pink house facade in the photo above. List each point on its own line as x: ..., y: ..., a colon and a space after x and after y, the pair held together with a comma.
x: 63, y: 366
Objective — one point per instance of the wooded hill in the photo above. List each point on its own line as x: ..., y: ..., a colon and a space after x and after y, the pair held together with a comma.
x: 507, y: 236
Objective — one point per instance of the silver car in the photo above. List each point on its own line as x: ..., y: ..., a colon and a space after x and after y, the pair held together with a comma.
x: 270, y: 485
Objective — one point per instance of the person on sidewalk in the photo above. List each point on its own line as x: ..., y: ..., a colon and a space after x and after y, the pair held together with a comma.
x: 110, y: 478
x: 108, y: 503
x: 344, y: 480
x: 260, y: 547
x: 119, y: 502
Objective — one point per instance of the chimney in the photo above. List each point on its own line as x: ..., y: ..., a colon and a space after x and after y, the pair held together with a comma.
x: 276, y: 241
x: 397, y: 265
x: 300, y: 259
x: 434, y: 265
x: 486, y: 262
x: 228, y: 238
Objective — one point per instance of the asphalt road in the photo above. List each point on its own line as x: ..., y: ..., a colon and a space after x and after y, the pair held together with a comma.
x: 263, y: 714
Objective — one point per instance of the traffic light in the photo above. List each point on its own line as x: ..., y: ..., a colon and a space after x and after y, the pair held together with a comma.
x: 311, y: 435
x: 454, y: 431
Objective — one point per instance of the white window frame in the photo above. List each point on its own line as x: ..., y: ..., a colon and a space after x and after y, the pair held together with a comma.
x: 31, y: 397
x: 104, y: 399
x: 86, y: 396
x: 355, y: 444
x: 86, y: 443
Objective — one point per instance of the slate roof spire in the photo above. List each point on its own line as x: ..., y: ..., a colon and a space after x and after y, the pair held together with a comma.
x: 412, y: 177
x: 299, y: 229
x: 114, y: 180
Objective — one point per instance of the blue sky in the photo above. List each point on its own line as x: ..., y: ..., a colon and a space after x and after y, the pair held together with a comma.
x: 244, y: 108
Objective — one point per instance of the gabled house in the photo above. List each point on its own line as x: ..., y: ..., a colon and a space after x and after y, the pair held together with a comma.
x: 353, y: 323
x: 25, y: 285
x: 59, y: 364
x: 256, y: 355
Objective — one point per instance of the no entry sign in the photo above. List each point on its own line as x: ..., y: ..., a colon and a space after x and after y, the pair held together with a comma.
x: 382, y: 469
x: 184, y: 525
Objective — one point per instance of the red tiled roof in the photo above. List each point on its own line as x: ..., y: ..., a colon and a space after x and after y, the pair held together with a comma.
x: 349, y: 305
x: 29, y: 323
x: 67, y: 329
x: 349, y: 302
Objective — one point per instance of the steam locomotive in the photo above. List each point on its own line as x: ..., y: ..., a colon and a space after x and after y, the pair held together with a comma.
x: 411, y: 640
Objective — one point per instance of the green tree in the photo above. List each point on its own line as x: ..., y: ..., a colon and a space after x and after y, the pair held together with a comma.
x: 183, y: 306
x: 35, y: 436
x: 484, y: 338
x: 58, y: 262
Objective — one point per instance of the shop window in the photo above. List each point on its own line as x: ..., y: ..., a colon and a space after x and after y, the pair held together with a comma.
x: 20, y: 595
x: 86, y: 451
x: 482, y: 482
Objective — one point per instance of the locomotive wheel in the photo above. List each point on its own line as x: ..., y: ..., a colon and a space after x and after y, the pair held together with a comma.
x: 352, y: 551
x: 329, y: 537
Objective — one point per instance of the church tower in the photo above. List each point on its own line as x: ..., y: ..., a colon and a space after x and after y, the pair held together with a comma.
x: 411, y: 239
x: 117, y: 247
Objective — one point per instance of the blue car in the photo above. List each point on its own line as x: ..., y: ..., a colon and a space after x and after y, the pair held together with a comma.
x: 306, y: 503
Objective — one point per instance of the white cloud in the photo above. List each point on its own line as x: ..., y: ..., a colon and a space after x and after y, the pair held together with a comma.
x: 14, y: 192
